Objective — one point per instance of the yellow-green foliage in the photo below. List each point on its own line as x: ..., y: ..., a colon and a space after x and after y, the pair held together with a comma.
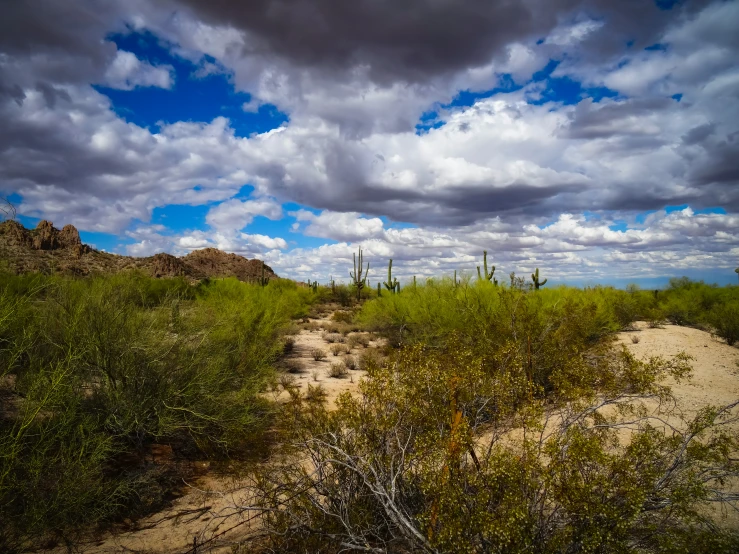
x: 96, y: 370
x: 450, y: 450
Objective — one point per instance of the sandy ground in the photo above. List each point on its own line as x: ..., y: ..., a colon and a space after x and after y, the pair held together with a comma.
x: 715, y: 378
x: 316, y: 373
x: 209, y: 508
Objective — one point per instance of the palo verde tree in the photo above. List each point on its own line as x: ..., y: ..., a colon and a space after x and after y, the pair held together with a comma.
x: 391, y: 284
x: 359, y: 275
x: 487, y: 275
x: 535, y: 279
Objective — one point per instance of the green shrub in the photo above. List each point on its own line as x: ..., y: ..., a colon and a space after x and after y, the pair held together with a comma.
x: 446, y: 450
x: 97, y: 370
x: 725, y: 320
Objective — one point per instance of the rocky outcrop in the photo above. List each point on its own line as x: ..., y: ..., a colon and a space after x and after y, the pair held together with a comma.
x: 15, y: 234
x: 47, y: 249
x: 166, y: 265
x: 48, y: 237
x: 216, y: 263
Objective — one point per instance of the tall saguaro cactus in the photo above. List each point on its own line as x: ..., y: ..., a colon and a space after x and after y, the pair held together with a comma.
x: 535, y: 279
x: 391, y: 284
x: 488, y: 275
x: 359, y: 276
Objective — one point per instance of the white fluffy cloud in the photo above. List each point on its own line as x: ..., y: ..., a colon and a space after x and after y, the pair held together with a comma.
x: 237, y: 214
x: 126, y: 72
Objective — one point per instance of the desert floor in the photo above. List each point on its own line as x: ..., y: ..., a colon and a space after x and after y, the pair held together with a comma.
x: 207, y: 505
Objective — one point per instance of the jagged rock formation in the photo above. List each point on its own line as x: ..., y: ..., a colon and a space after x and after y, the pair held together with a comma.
x: 46, y: 249
x: 216, y: 263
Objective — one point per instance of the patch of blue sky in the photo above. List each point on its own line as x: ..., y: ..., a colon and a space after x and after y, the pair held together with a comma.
x: 180, y: 217
x: 193, y: 97
x: 563, y: 90
x: 677, y: 97
x: 619, y: 225
x: 709, y: 210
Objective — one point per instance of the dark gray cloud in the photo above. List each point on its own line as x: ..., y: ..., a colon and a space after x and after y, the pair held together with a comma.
x: 417, y: 40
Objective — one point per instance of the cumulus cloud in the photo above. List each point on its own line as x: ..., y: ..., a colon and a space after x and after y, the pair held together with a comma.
x: 237, y: 214
x: 514, y: 173
x: 350, y: 226
x: 126, y: 72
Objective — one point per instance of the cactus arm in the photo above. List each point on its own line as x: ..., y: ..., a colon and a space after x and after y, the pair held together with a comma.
x: 486, y: 275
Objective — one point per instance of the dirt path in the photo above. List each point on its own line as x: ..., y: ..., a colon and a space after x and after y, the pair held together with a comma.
x: 210, y: 505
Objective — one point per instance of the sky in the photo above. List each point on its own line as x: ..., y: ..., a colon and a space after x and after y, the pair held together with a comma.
x: 595, y: 140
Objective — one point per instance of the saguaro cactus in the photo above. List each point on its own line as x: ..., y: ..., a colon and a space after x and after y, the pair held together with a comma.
x: 455, y: 278
x: 379, y: 290
x: 314, y: 286
x: 487, y: 275
x: 359, y: 276
x: 391, y: 284
x: 535, y: 279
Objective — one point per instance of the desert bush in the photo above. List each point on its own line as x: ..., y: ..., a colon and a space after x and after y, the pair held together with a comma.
x: 342, y: 316
x: 318, y: 354
x: 333, y: 337
x: 97, y: 370
x: 287, y: 381
x: 635, y: 339
x: 337, y: 371
x: 350, y: 362
x: 337, y: 349
x: 487, y: 318
x: 447, y: 450
x: 724, y: 318
x: 293, y: 366
x: 288, y: 345
x: 315, y: 394
x: 369, y: 358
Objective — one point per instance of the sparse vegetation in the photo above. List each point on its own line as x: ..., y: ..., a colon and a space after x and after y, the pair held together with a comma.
x: 337, y: 349
x: 337, y: 370
x: 318, y: 354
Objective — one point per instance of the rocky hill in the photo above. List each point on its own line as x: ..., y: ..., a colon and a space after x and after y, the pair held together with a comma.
x: 47, y: 249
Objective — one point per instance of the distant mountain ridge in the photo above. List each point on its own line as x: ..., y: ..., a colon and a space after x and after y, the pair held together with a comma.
x: 47, y: 249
